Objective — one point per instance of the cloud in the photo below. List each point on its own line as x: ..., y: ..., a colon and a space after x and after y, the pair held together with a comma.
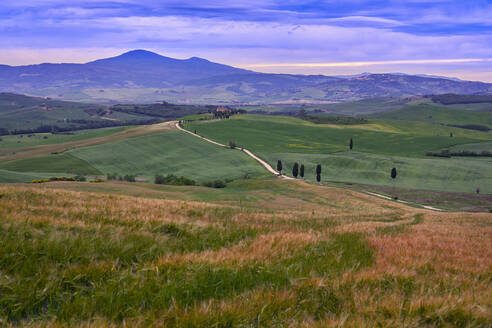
x: 252, y: 32
x: 371, y: 63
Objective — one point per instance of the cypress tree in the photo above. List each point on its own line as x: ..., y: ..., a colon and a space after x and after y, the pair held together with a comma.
x: 318, y: 173
x: 301, y: 173
x: 393, y: 173
x: 351, y: 144
x: 279, y: 166
x: 295, y: 170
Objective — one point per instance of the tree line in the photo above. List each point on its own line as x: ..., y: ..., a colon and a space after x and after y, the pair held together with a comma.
x: 76, y: 125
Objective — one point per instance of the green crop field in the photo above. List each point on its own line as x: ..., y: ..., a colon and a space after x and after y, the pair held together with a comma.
x: 51, y: 163
x: 434, y: 114
x: 37, y: 139
x: 444, y: 174
x: 173, y: 152
x: 13, y: 176
x: 378, y: 147
x: 270, y: 134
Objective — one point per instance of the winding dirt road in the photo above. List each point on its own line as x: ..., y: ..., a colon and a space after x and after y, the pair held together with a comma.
x: 272, y: 171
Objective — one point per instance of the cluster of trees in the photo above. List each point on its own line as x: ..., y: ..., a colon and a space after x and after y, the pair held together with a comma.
x: 76, y: 178
x: 228, y: 112
x: 464, y: 153
x: 298, y: 170
x: 126, y: 177
x: 342, y: 120
x: 215, y: 184
x: 174, y: 180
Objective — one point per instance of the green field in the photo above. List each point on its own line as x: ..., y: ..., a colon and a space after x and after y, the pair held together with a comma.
x: 13, y: 176
x: 52, y: 164
x: 37, y: 139
x: 434, y: 114
x: 449, y: 174
x: 171, y: 152
x: 376, y: 150
x: 269, y: 134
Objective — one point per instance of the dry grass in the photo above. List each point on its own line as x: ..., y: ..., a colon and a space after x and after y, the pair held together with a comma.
x: 427, y: 268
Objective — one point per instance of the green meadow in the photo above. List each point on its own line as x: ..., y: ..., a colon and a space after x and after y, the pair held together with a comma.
x: 51, y: 163
x: 434, y: 114
x: 444, y: 174
x: 38, y: 139
x: 378, y: 146
x: 172, y: 152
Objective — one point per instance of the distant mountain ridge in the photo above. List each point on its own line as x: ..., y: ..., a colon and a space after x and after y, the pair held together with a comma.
x: 144, y: 76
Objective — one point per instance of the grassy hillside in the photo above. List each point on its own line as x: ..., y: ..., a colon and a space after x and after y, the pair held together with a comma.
x: 378, y: 147
x: 171, y: 152
x: 305, y: 256
x: 450, y: 174
x: 268, y: 134
x: 52, y: 164
x: 19, y: 112
x: 38, y: 139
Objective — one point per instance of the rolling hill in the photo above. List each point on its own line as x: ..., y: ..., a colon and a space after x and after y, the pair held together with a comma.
x: 143, y: 76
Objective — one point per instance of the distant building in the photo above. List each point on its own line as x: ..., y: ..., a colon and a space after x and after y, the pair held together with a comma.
x: 223, y: 110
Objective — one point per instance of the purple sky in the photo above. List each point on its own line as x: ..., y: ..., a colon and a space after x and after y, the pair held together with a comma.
x: 452, y: 38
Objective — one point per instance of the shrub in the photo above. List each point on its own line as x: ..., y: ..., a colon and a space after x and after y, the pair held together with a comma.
x: 57, y: 179
x: 97, y: 180
x: 159, y: 179
x: 129, y: 178
x: 232, y: 144
x: 112, y: 176
x: 215, y: 184
x: 40, y: 181
x: 171, y: 179
x: 62, y: 179
x: 80, y: 178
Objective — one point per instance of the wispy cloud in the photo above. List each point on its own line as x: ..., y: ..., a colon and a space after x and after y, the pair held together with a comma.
x: 370, y: 63
x: 289, y: 34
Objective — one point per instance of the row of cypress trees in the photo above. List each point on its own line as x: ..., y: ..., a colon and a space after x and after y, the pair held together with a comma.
x: 299, y: 171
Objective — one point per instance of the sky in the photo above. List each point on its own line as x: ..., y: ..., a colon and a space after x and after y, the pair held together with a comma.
x: 333, y: 37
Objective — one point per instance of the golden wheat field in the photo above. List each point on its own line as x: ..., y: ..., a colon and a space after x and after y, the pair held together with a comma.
x: 273, y: 254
